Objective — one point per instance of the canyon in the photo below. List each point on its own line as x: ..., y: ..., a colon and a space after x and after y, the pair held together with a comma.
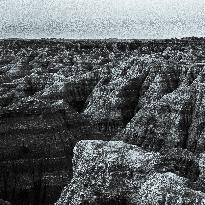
x: 102, y: 121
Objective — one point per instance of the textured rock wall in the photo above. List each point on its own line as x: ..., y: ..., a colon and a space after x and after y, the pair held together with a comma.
x: 105, y: 170
x: 157, y: 100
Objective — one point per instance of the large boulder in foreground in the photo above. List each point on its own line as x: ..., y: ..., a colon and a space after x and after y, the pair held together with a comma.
x: 118, y: 173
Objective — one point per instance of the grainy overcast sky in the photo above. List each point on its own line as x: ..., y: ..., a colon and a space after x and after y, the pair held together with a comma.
x: 101, y: 18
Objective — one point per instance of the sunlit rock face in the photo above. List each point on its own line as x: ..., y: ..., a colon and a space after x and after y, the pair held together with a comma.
x: 115, y: 96
x: 174, y: 120
x: 103, y: 171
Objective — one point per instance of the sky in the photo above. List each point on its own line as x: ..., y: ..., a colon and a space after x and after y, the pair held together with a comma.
x: 127, y: 19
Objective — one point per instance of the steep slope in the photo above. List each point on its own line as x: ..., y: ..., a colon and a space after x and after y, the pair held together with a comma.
x: 175, y: 120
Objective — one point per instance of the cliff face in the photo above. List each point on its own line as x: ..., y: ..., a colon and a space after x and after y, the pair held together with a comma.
x: 115, y: 96
x: 122, y: 173
x: 175, y: 120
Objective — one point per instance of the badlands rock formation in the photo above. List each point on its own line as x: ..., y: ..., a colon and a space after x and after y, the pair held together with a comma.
x: 118, y: 173
x: 157, y: 153
x: 144, y: 98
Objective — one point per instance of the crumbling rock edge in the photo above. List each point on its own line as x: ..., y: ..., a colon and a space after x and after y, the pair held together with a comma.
x: 103, y: 170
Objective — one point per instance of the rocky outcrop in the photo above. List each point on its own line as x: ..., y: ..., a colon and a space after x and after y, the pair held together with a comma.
x: 103, y: 171
x: 115, y: 96
x: 175, y: 120
x: 54, y: 93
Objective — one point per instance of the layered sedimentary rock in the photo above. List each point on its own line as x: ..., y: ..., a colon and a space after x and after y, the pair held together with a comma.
x: 55, y: 93
x: 38, y: 125
x: 175, y: 120
x: 167, y: 121
x: 105, y: 172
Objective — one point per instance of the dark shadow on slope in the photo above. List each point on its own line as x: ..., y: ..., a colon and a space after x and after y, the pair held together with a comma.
x: 131, y: 94
x: 79, y: 106
x: 181, y: 162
